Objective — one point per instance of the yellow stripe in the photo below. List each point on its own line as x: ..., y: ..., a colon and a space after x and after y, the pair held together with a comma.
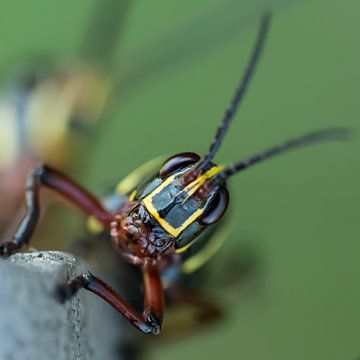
x: 196, y: 261
x: 175, y: 232
x: 94, y: 226
x: 190, y: 189
x: 185, y: 247
x: 132, y: 195
x: 197, y: 183
x: 125, y: 186
x: 134, y: 178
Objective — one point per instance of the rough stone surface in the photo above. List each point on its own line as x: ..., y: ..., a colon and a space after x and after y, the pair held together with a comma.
x: 34, y: 326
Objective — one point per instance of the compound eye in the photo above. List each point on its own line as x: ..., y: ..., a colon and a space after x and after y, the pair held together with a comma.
x: 177, y: 163
x: 216, y: 208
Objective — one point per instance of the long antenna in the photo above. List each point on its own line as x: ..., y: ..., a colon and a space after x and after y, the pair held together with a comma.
x: 239, y: 93
x: 336, y: 134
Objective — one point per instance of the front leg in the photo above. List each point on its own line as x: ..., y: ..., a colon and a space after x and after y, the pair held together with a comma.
x: 149, y: 322
x: 46, y: 176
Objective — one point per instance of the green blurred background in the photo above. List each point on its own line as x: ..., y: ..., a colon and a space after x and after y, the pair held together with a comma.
x: 299, y: 214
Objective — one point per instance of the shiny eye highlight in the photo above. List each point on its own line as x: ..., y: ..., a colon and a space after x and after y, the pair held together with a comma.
x: 178, y: 162
x: 216, y: 208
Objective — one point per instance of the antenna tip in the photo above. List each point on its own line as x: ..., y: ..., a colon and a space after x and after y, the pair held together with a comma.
x: 341, y: 134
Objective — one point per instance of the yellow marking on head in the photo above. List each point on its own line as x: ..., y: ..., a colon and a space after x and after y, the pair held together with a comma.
x: 198, y: 182
x: 196, y: 261
x: 133, y: 179
x: 125, y: 186
x: 190, y: 189
x: 175, y: 232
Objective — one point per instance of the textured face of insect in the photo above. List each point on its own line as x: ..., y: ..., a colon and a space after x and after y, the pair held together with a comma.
x: 172, y: 208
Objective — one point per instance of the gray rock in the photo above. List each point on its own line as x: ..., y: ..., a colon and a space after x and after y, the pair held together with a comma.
x: 34, y: 326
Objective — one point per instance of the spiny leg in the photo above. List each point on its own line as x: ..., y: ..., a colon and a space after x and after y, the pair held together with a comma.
x: 149, y: 322
x: 45, y: 176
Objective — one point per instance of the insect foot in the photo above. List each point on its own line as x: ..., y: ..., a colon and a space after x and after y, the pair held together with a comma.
x: 8, y: 248
x: 154, y: 323
x: 66, y: 291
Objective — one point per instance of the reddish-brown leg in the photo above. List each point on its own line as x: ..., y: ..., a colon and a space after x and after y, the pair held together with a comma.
x: 149, y: 322
x: 45, y: 176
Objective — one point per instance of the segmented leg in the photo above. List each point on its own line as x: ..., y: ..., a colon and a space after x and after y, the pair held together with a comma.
x: 149, y: 322
x: 45, y: 176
